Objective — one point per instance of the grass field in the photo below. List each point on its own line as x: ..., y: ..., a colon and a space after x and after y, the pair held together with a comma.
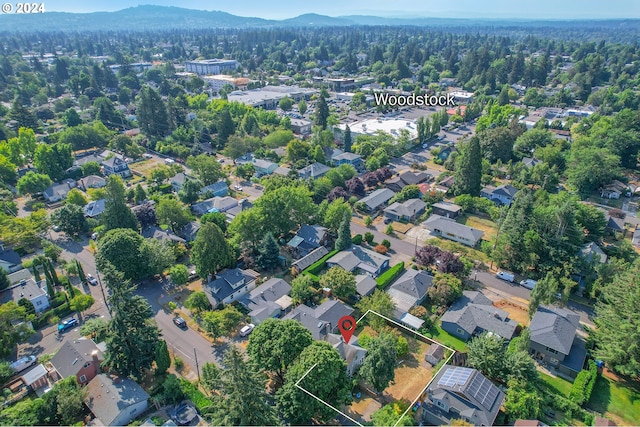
x: 556, y: 384
x: 616, y: 400
x: 484, y: 224
x: 145, y: 167
x: 440, y: 335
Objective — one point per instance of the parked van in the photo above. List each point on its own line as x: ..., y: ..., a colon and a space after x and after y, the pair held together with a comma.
x: 247, y: 330
x: 528, y: 283
x: 22, y: 364
x: 505, y: 275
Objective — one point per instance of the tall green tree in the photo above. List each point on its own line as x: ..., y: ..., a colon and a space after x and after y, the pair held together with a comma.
x: 206, y: 168
x: 116, y: 212
x: 340, y: 281
x: 245, y: 401
x: 468, y: 174
x: 343, y: 242
x: 121, y: 249
x: 162, y: 357
x: 268, y: 253
x: 381, y: 303
x: 152, y: 113
x: 302, y: 289
x: 172, y: 213
x: 379, y: 365
x: 510, y: 251
x: 197, y: 302
x: 347, y: 141
x: 211, y: 375
x: 33, y: 183
x: 328, y: 380
x: 4, y: 279
x: 275, y: 344
x: 12, y: 314
x: 71, y: 219
x: 211, y: 251
x: 322, y: 113
x: 53, y: 160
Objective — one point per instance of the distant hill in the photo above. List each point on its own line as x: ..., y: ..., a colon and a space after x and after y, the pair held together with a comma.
x: 169, y: 17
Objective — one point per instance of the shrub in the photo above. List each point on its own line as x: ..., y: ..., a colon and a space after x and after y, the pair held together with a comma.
x: 381, y: 249
x: 583, y: 385
x: 196, y: 396
x: 386, y: 243
x: 388, y: 276
x: 178, y: 363
x: 317, y: 266
x: 368, y: 237
x: 357, y: 239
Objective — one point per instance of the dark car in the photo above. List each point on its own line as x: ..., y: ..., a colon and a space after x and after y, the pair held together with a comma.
x: 67, y: 324
x: 180, y: 322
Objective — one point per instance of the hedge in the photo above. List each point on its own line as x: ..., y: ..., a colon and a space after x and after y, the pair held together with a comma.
x: 583, y: 385
x: 389, y: 276
x: 317, y: 266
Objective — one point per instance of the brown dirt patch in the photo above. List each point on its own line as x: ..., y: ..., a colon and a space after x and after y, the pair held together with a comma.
x: 362, y: 409
x: 400, y: 227
x: 516, y: 312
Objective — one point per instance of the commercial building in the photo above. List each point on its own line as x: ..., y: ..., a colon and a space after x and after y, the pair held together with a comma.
x: 211, y: 66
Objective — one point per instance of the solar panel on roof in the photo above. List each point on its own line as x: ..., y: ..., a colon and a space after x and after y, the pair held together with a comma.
x: 456, y: 376
x: 483, y: 390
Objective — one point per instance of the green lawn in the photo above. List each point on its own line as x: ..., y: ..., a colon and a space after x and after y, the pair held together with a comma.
x: 557, y: 384
x: 616, y: 400
x: 440, y: 335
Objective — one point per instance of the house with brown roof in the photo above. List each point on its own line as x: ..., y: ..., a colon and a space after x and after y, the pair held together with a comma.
x: 80, y: 358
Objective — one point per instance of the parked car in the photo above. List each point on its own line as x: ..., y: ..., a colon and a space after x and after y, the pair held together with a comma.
x: 528, y: 283
x: 22, y: 364
x: 180, y: 322
x: 505, y: 275
x: 92, y: 280
x: 388, y: 220
x: 247, y: 330
x: 56, y: 228
x: 193, y: 276
x: 67, y: 324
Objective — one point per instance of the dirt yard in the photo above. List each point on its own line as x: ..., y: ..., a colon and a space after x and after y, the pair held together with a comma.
x: 362, y: 409
x: 516, y: 312
x: 146, y: 166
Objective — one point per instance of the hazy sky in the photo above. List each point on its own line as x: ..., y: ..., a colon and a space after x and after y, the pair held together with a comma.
x: 278, y: 9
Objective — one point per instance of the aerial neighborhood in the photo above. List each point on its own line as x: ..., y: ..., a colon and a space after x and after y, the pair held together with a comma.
x: 190, y: 214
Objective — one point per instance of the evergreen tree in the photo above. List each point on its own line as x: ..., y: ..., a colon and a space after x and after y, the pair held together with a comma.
x: 347, y: 139
x: 152, y: 114
x: 511, y: 245
x: 343, y: 242
x: 322, y: 112
x: 52, y: 271
x: 116, y: 212
x: 503, y: 98
x: 140, y: 195
x: 36, y: 272
x: 211, y: 377
x: 245, y: 401
x: 81, y: 275
x: 162, y: 358
x: 268, y: 252
x: 225, y: 126
x: 468, y: 175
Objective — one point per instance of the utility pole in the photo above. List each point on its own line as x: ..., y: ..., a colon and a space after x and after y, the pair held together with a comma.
x: 104, y: 298
x: 197, y: 366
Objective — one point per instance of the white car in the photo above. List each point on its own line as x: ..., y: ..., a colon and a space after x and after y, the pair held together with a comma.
x: 505, y: 275
x: 92, y: 280
x: 247, y: 330
x: 23, y: 363
x: 528, y: 283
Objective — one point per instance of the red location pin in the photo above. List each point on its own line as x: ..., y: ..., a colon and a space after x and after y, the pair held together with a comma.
x: 347, y: 326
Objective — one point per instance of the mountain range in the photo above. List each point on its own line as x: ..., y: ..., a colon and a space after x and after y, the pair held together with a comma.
x: 168, y: 17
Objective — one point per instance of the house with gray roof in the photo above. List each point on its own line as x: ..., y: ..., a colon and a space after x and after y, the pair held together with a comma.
x: 410, y: 289
x: 502, y: 195
x: 445, y: 209
x: 214, y: 204
x: 308, y: 238
x: 301, y: 126
x: 377, y: 199
x: 79, y: 358
x: 352, y: 159
x: 178, y: 180
x: 530, y: 162
x: 217, y: 189
x: 267, y: 300
x: 115, y: 165
x: 264, y: 167
x: 230, y: 285
x: 473, y: 313
x: 243, y: 205
x: 29, y: 290
x: 94, y: 208
x: 115, y: 401
x: 405, y: 211
x: 91, y: 181
x: 554, y: 340
x: 59, y: 191
x: 190, y: 231
x: 306, y: 261
x: 365, y: 285
x: 635, y: 239
x: 359, y: 259
x: 461, y: 393
x: 592, y: 251
x: 313, y: 171
x: 352, y: 353
x: 10, y: 260
x: 157, y: 233
x: 449, y: 229
x: 321, y: 320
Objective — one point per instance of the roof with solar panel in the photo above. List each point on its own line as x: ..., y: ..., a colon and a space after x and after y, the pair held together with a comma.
x: 468, y: 392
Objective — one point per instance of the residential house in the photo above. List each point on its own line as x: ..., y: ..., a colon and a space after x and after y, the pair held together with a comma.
x: 10, y: 260
x: 115, y: 401
x: 36, y: 378
x: 301, y: 126
x: 217, y: 189
x: 230, y: 285
x: 190, y: 231
x: 308, y: 238
x: 214, y: 204
x: 306, y: 261
x: 178, y: 180
x: 264, y: 167
x: 614, y: 190
x: 115, y: 165
x: 352, y: 159
x: 461, y: 393
x: 434, y: 354
x: 635, y: 240
x: 351, y: 352
x: 243, y: 205
x: 377, y: 199
x: 157, y: 233
x: 405, y: 211
x: 321, y: 320
x: 592, y: 251
x: 313, y: 171
x: 91, y: 181
x: 449, y: 229
x: 445, y: 184
x: 360, y: 259
x: 554, y: 340
x: 58, y: 192
x: 29, y: 290
x: 409, y: 290
x: 473, y: 313
x: 503, y: 195
x: 282, y: 171
x: 530, y: 162
x: 94, y: 208
x: 89, y: 158
x: 445, y: 209
x: 365, y: 285
x: 615, y: 225
x: 271, y: 299
x: 407, y: 178
x: 79, y: 358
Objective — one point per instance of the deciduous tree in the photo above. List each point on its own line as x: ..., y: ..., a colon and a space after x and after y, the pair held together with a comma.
x: 379, y: 365
x: 340, y: 281
x: 211, y: 251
